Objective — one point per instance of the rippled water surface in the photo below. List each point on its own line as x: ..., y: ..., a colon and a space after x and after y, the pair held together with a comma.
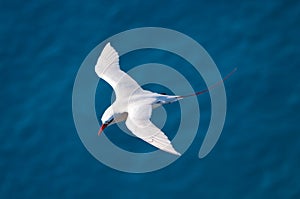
x: 43, y: 44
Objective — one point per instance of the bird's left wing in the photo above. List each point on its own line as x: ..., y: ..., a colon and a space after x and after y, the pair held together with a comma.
x: 138, y: 122
x: 108, y: 69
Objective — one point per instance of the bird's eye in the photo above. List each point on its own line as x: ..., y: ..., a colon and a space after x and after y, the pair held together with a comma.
x: 109, y: 121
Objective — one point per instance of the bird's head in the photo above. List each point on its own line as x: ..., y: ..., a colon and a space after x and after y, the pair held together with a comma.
x: 107, y: 119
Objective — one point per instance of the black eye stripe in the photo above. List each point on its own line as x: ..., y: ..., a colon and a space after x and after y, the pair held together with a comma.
x: 109, y: 121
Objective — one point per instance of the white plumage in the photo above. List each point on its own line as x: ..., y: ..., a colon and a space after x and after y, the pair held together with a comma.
x: 132, y: 103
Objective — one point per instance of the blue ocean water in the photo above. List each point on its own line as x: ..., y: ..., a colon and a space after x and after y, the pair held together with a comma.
x: 43, y: 44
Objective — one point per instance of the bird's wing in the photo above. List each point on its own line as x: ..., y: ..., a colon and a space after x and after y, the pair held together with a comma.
x: 108, y: 69
x: 138, y: 122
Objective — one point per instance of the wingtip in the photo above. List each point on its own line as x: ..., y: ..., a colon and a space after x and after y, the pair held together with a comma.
x: 107, y: 57
x: 107, y: 45
x: 171, y: 150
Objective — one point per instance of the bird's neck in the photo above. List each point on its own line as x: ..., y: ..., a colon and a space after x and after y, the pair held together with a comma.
x: 120, y: 117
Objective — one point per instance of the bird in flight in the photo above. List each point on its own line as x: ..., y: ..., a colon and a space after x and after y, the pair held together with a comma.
x: 133, y: 104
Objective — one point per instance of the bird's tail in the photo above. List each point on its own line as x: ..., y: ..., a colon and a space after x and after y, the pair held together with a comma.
x: 210, y: 87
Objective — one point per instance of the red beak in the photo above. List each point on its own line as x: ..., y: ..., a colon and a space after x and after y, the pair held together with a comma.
x: 102, y: 128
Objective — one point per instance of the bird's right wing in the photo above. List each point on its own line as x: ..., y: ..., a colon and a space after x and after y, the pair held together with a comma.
x: 108, y: 69
x: 138, y: 122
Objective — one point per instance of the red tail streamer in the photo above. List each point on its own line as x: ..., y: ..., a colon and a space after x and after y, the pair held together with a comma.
x: 210, y: 87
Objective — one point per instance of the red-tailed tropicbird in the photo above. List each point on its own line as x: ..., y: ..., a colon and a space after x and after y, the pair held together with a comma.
x: 133, y: 103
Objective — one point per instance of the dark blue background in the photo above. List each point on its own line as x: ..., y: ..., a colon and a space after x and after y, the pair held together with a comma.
x: 43, y: 44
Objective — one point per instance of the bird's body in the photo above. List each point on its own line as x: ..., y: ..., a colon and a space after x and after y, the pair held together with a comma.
x: 121, y: 108
x: 133, y: 104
